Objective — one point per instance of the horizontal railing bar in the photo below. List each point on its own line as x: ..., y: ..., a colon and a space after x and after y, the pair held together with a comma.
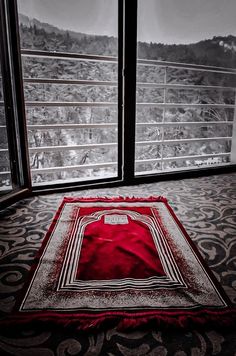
x: 150, y: 160
x: 103, y: 145
x: 5, y: 189
x: 69, y: 103
x: 71, y: 168
x: 70, y: 82
x: 184, y: 86
x: 71, y: 126
x: 180, y: 66
x: 108, y: 125
x: 73, y: 180
x: 180, y: 169
x: 104, y: 104
x: 5, y: 172
x: 71, y: 147
x: 173, y: 105
x: 199, y: 67
x: 78, y: 56
x: 115, y: 83
x: 185, y: 123
x: 186, y: 140
x: 197, y: 156
x: 167, y: 159
x: 67, y: 55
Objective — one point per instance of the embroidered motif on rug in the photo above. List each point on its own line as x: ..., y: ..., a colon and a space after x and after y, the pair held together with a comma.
x: 123, y: 259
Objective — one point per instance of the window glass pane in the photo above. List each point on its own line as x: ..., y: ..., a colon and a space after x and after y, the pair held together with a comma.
x: 71, y: 99
x: 186, y: 79
x: 5, y: 172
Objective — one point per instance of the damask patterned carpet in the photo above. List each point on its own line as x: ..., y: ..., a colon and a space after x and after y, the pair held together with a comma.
x: 206, y: 207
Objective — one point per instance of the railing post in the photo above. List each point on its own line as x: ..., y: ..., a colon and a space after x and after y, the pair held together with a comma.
x: 233, y: 142
x: 163, y: 117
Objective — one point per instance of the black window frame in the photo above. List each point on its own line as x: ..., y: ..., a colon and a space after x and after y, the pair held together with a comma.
x: 14, y: 105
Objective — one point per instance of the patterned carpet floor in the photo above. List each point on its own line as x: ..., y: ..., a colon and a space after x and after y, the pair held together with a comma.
x: 207, y: 208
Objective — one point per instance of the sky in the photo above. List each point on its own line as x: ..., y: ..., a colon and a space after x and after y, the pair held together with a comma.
x: 165, y: 21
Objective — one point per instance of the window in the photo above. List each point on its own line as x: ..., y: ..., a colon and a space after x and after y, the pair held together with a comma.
x: 14, y: 178
x: 185, y: 105
x: 70, y: 68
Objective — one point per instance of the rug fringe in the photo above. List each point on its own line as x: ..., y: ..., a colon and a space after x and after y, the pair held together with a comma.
x: 213, y: 319
x: 116, y: 198
x: 182, y: 322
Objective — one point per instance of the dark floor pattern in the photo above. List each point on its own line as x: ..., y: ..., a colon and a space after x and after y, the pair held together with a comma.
x: 207, y: 208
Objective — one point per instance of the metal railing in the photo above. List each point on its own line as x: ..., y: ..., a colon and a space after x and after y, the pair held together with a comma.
x: 165, y: 86
x: 167, y: 105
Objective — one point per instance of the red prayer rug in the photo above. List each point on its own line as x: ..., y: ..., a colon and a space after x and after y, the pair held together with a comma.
x: 127, y: 260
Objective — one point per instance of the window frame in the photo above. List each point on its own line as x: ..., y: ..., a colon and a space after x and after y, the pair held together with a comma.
x: 14, y: 105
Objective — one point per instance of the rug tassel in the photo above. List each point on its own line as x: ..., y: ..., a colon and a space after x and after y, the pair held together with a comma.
x: 223, y: 319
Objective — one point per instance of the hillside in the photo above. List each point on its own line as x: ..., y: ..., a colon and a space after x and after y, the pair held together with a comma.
x: 43, y: 36
x: 218, y: 51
